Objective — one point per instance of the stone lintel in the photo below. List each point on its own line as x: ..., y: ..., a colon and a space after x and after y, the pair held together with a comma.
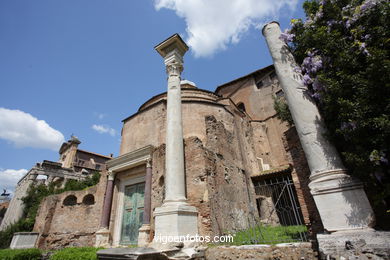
x: 131, y: 159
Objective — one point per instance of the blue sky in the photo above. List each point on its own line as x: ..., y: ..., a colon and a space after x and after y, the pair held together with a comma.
x: 81, y: 66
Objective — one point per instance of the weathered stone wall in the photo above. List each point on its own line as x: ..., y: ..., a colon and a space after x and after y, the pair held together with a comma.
x: 301, y: 251
x: 274, y: 141
x: 258, y: 101
x: 216, y: 180
x: 16, y: 207
x: 62, y: 225
x: 300, y: 175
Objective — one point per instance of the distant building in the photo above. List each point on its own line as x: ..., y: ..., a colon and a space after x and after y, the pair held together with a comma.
x: 79, y: 160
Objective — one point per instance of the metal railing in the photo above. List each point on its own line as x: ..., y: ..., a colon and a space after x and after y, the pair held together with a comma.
x: 280, y: 219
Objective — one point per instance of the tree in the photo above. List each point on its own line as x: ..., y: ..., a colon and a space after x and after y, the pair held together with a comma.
x: 343, y: 48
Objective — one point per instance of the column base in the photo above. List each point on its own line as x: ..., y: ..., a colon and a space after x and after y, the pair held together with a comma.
x: 363, y: 244
x: 102, y: 238
x: 341, y: 201
x: 175, y: 219
x: 143, y: 235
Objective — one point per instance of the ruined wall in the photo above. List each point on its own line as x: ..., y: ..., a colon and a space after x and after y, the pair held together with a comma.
x: 300, y: 175
x: 62, y: 223
x: 275, y: 142
x: 258, y: 101
x: 231, y: 193
x: 16, y: 206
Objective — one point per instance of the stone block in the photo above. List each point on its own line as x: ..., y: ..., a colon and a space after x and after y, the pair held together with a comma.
x: 363, y: 244
x: 144, y: 253
x: 24, y: 240
x: 175, y: 219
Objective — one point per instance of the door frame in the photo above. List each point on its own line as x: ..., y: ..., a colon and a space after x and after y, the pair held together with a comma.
x: 130, y: 180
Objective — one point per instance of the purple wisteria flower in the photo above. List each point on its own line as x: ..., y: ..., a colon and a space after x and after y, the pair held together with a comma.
x: 316, y: 96
x: 307, y: 80
x: 367, y: 37
x: 348, y: 125
x: 330, y: 23
x: 319, y: 15
x: 368, y: 4
x: 286, y: 36
x: 378, y: 157
x: 317, y: 86
x: 384, y: 160
x: 348, y: 24
x: 312, y: 64
x: 363, y: 49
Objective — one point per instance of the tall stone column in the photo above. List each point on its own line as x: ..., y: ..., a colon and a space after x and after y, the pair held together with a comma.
x: 103, y: 234
x: 175, y: 217
x: 341, y: 200
x: 144, y: 231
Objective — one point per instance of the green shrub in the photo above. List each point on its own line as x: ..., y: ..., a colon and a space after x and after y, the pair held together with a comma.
x: 282, y: 111
x: 76, y: 253
x: 20, y: 254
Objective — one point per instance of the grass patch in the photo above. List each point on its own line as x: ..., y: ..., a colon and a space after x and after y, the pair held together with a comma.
x: 76, y: 253
x: 20, y: 254
x: 269, y: 235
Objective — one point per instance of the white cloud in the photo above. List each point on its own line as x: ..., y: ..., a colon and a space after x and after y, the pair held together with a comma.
x: 102, y: 129
x: 213, y: 24
x: 9, y: 178
x: 24, y: 130
x: 100, y: 116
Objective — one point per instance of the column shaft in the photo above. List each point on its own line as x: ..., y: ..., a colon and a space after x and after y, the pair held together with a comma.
x: 107, y: 202
x: 341, y: 200
x: 148, y: 194
x: 175, y: 179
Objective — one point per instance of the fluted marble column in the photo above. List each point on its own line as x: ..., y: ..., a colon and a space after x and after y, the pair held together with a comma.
x: 341, y: 200
x: 175, y: 217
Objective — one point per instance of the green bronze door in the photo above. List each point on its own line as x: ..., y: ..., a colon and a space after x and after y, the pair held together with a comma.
x: 133, y: 210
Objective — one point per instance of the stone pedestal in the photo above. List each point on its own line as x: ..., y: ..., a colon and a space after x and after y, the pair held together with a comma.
x: 144, y: 235
x: 102, y: 238
x: 175, y: 217
x: 340, y: 199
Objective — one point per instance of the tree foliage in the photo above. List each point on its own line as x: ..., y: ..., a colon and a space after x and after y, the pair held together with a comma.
x: 343, y: 50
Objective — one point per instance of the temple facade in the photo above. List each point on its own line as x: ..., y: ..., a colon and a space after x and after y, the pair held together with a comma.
x: 234, y: 146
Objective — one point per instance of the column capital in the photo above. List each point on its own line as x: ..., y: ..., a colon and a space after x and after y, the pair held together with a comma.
x: 149, y: 163
x: 174, y: 69
x: 110, y: 175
